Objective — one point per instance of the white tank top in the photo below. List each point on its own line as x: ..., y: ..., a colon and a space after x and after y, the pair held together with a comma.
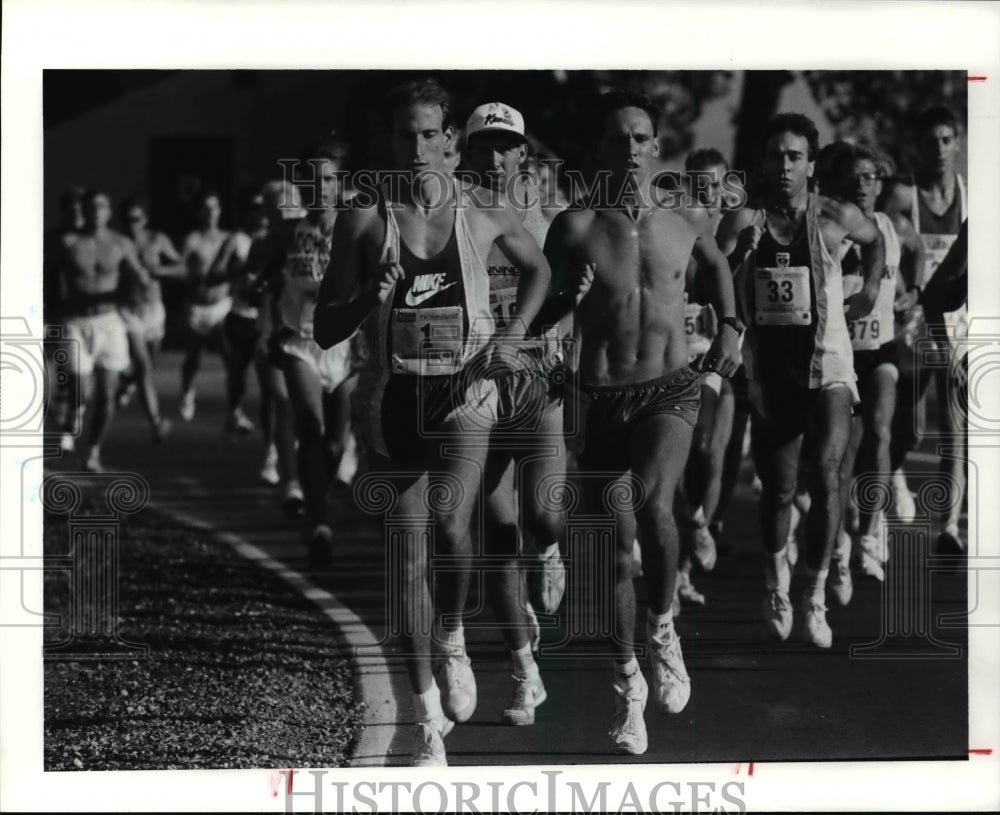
x: 305, y: 264
x: 876, y: 329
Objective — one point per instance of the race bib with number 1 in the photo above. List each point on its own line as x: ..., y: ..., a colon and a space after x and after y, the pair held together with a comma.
x: 427, y: 341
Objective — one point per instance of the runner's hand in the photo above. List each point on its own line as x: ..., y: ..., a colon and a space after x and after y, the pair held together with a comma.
x: 386, y: 275
x: 723, y: 356
x: 859, y: 305
x: 586, y: 280
x: 906, y: 301
x: 747, y: 240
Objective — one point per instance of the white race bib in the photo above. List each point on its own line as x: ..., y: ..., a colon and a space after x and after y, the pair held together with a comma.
x: 781, y: 295
x: 427, y: 341
x: 876, y: 328
x: 502, y: 304
x: 937, y: 247
x: 699, y: 326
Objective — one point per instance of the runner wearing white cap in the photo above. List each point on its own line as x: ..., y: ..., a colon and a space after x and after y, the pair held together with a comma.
x: 528, y: 437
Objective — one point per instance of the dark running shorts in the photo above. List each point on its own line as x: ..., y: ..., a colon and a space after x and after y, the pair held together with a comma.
x: 613, y: 412
x: 413, y: 410
x: 865, y: 363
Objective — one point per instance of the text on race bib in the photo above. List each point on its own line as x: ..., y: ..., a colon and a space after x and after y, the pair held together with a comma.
x: 427, y: 341
x: 503, y: 303
x: 781, y: 295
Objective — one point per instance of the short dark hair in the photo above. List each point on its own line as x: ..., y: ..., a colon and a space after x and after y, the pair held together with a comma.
x: 704, y: 158
x: 796, y: 123
x: 614, y: 100
x: 329, y: 148
x: 831, y: 161
x: 937, y: 115
x: 91, y: 193
x: 426, y: 92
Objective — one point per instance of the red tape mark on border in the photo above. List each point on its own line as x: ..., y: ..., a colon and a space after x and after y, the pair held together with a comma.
x: 976, y: 79
x: 981, y: 751
x: 288, y: 785
x: 750, y: 770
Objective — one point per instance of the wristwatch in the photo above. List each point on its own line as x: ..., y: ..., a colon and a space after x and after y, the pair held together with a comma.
x: 734, y: 324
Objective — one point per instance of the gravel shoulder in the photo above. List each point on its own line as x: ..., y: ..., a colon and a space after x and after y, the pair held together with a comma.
x: 240, y: 672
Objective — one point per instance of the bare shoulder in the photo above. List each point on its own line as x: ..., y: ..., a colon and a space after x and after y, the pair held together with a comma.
x: 840, y: 212
x: 573, y: 222
x: 734, y: 220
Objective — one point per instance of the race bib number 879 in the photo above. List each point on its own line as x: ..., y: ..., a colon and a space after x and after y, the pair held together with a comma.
x: 781, y: 295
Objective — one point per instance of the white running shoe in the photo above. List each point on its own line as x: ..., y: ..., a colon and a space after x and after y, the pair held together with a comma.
x: 548, y: 584
x: 671, y: 683
x: 92, y: 463
x: 703, y: 547
x: 870, y: 557
x: 686, y: 590
x: 636, y: 559
x: 269, y: 469
x: 528, y: 694
x: 815, y: 628
x: 428, y: 746
x: 458, y: 685
x: 628, y: 727
x: 902, y: 498
x: 186, y: 409
x: 238, y: 424
x: 67, y: 443
x: 778, y: 613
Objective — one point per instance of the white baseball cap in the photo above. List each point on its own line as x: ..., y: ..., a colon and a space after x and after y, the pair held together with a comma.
x: 495, y: 117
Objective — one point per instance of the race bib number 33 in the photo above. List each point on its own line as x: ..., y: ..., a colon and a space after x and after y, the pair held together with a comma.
x: 427, y: 341
x: 781, y: 295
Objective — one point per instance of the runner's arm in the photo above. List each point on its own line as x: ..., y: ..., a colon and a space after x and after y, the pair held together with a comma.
x: 728, y: 236
x: 914, y: 257
x: 344, y: 300
x: 131, y: 267
x: 864, y: 232
x: 724, y: 354
x: 169, y: 263
x: 521, y: 248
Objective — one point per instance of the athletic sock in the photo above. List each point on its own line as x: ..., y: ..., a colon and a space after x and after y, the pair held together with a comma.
x: 659, y: 624
x: 444, y: 641
x: 816, y: 588
x: 627, y: 674
x: 777, y: 571
x: 427, y: 705
x: 524, y: 663
x: 549, y: 551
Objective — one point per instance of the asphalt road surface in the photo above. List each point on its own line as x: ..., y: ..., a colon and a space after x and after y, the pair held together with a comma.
x: 893, y: 686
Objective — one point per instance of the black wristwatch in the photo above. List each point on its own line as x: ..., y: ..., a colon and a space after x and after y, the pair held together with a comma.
x: 734, y: 324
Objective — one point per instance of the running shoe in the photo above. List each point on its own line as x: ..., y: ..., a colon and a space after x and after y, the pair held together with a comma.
x: 778, y: 613
x: 869, y: 551
x: 815, y: 628
x: 294, y: 503
x: 161, y: 430
x: 458, y: 684
x: 841, y: 582
x: 428, y: 745
x: 186, y: 409
x: 269, y: 469
x: 529, y: 693
x: 238, y: 425
x: 686, y: 590
x: 902, y: 498
x: 67, y: 443
x: 548, y: 584
x: 92, y: 463
x: 671, y: 683
x: 703, y: 547
x: 792, y: 541
x: 628, y: 727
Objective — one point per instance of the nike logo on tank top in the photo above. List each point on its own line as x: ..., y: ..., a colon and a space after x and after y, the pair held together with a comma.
x: 430, y: 322
x: 785, y: 351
